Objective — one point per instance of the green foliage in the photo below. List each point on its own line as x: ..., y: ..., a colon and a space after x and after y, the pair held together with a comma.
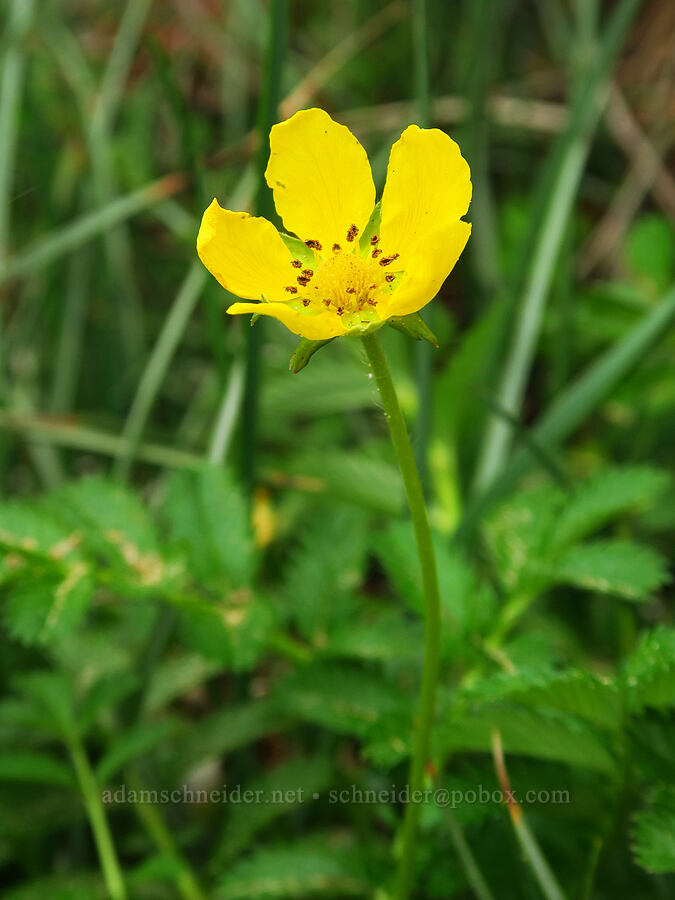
x: 654, y: 832
x: 305, y: 869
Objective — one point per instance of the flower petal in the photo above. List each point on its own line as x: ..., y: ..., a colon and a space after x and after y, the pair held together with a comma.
x: 428, y: 187
x: 246, y: 254
x: 427, y: 269
x: 316, y: 328
x: 320, y: 176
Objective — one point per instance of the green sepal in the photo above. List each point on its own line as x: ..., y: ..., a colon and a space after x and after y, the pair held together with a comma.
x: 304, y: 352
x: 415, y: 327
x: 299, y: 250
x: 373, y: 227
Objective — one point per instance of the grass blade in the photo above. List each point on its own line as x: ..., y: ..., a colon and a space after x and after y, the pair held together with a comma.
x: 571, y: 155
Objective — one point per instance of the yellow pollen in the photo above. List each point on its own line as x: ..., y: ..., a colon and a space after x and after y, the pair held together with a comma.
x: 346, y: 283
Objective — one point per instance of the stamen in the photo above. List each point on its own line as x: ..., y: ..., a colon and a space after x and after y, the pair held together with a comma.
x: 350, y: 290
x: 326, y: 301
x: 374, y: 239
x: 291, y: 289
x: 336, y: 248
x: 305, y: 302
x: 313, y: 245
x: 372, y: 302
x: 352, y: 231
x: 389, y: 278
x: 340, y: 310
x: 307, y: 273
x: 375, y: 253
x: 296, y: 263
x: 389, y: 259
x: 303, y: 280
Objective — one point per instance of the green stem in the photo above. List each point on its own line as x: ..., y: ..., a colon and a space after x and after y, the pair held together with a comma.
x: 432, y: 633
x: 98, y: 821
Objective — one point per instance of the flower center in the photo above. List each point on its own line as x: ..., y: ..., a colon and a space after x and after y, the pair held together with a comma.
x: 343, y: 281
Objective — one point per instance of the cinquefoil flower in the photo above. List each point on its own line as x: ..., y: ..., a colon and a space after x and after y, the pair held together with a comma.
x: 350, y: 269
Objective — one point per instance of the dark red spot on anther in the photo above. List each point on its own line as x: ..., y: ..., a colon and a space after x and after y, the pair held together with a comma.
x: 336, y: 248
x: 389, y: 278
x: 374, y: 239
x: 296, y: 263
x: 340, y: 310
x: 350, y: 290
x: 308, y: 273
x: 385, y: 261
x: 326, y: 302
x: 305, y: 302
x: 375, y: 253
x: 291, y: 289
x: 303, y: 280
x: 372, y: 302
x: 352, y: 231
x: 313, y: 245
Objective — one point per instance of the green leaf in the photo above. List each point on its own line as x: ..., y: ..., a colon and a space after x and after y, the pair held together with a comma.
x: 208, y: 516
x: 537, y: 733
x: 648, y: 675
x: 342, y: 699
x: 623, y: 568
x: 232, y: 631
x: 415, y: 327
x: 277, y: 792
x: 36, y: 767
x: 175, y: 677
x: 388, y: 635
x: 304, y: 869
x: 47, y: 606
x: 131, y: 745
x: 325, y: 569
x: 654, y: 832
x: 304, y: 352
x: 604, y: 496
x: 299, y: 250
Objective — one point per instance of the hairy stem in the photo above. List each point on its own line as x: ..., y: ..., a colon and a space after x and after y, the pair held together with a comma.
x: 432, y: 634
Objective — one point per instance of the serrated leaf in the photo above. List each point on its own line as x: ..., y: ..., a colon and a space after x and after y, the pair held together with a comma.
x: 175, y: 677
x: 300, y: 870
x: 624, y: 568
x: 207, y: 515
x: 47, y: 606
x: 325, y: 569
x: 654, y: 832
x: 538, y: 733
x: 232, y: 630
x: 604, y: 496
x: 341, y: 699
x: 388, y: 636
x: 648, y: 675
x: 40, y: 768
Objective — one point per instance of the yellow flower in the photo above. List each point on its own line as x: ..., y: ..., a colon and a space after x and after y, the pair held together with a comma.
x: 349, y: 270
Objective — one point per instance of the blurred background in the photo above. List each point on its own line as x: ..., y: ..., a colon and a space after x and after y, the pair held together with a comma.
x: 201, y: 579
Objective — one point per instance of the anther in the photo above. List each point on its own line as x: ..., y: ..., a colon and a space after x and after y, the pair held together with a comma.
x: 340, y: 310
x: 389, y: 278
x: 372, y: 302
x: 296, y: 263
x: 352, y: 231
x: 388, y: 259
x: 326, y: 301
x: 336, y: 248
x: 313, y: 245
x: 303, y: 280
x: 291, y: 289
x: 350, y: 290
x: 305, y: 302
x: 375, y: 253
x: 374, y: 239
x: 307, y: 273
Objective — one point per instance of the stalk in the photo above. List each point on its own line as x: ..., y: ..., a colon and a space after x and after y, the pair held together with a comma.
x: 432, y: 608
